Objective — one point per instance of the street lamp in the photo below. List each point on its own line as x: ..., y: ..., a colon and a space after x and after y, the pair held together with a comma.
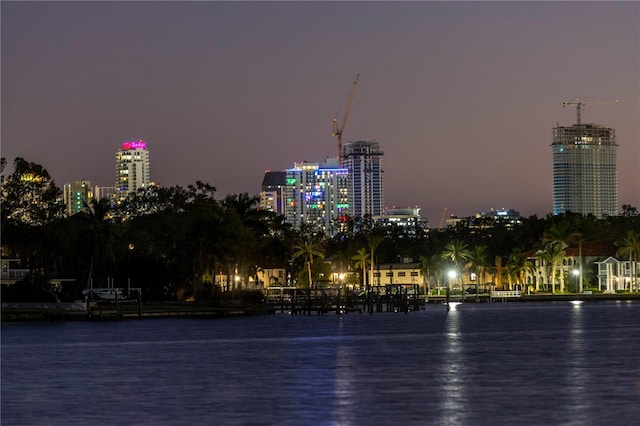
x: 576, y: 274
x: 452, y: 274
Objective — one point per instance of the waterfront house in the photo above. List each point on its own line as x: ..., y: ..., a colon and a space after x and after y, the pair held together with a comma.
x: 618, y: 275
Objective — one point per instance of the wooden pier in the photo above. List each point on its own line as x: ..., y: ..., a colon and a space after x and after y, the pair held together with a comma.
x: 389, y: 298
x: 123, y: 301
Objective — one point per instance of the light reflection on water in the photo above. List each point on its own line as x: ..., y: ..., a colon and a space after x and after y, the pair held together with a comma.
x: 452, y: 374
x: 498, y: 364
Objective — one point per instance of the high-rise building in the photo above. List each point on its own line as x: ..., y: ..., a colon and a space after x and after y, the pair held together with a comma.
x: 76, y: 195
x: 100, y: 192
x: 316, y: 195
x: 132, y: 168
x: 584, y: 170
x: 272, y: 192
x: 363, y: 160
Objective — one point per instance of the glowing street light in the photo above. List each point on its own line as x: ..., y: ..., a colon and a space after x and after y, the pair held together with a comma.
x: 452, y: 274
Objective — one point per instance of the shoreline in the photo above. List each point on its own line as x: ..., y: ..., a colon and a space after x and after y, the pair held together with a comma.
x: 29, y: 312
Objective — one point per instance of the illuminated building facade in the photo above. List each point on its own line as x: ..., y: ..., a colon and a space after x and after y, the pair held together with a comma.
x: 363, y: 160
x: 132, y: 168
x: 408, y: 219
x: 584, y: 170
x: 317, y: 196
x: 75, y: 195
x: 272, y: 192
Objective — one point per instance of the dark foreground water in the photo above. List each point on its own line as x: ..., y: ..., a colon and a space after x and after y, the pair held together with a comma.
x: 510, y: 364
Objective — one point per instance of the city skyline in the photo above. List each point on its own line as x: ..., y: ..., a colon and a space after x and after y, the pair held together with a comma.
x: 462, y: 96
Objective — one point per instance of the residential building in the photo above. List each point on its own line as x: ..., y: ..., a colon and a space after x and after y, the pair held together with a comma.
x: 101, y: 192
x: 540, y: 272
x: 405, y: 272
x: 363, y: 160
x: 272, y: 192
x: 10, y: 271
x: 584, y: 170
x: 316, y: 195
x: 76, y: 195
x: 618, y: 275
x: 132, y: 168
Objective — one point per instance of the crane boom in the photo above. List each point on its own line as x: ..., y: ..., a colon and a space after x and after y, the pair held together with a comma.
x: 580, y: 103
x: 337, y: 130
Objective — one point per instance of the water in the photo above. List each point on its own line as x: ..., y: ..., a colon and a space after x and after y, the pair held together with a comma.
x: 498, y: 364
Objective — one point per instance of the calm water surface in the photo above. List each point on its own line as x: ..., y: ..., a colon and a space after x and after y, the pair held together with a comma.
x: 498, y: 364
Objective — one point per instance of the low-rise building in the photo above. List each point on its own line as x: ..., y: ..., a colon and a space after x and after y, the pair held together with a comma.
x: 618, y: 275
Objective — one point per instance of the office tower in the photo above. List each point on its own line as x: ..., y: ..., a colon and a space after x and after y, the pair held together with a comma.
x: 132, y: 168
x: 316, y: 195
x: 272, y: 192
x: 363, y: 160
x: 584, y: 170
x: 76, y: 195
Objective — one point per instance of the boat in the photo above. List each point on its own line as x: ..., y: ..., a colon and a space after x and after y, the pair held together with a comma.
x: 105, y: 293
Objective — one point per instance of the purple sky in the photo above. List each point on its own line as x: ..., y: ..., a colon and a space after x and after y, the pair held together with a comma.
x: 461, y: 96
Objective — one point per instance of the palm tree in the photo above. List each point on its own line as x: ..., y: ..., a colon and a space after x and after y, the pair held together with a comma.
x: 553, y: 254
x: 517, y: 266
x: 456, y: 251
x: 431, y: 267
x: 362, y: 259
x: 566, y: 230
x: 479, y: 261
x: 629, y: 246
x: 100, y: 234
x: 310, y: 248
x: 374, y: 242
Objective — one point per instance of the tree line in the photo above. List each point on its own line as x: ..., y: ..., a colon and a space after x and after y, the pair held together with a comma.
x: 173, y: 241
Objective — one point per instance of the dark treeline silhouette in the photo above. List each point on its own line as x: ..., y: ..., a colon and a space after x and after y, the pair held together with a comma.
x: 172, y: 242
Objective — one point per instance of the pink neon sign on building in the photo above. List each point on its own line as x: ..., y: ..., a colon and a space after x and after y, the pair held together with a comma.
x: 140, y: 144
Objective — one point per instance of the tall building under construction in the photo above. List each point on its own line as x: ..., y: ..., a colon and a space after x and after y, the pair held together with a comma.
x: 584, y: 170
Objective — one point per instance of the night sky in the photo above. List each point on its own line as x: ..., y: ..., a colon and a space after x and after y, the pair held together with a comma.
x: 462, y: 96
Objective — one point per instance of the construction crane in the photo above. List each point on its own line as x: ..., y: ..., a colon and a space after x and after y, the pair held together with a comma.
x: 337, y: 130
x: 581, y: 102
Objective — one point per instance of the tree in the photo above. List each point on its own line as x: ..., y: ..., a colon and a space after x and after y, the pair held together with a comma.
x: 629, y: 246
x: 479, y: 262
x: 457, y: 252
x: 431, y: 266
x: 373, y: 243
x: 29, y: 195
x: 100, y: 235
x: 362, y: 260
x: 309, y: 248
x: 553, y: 254
x: 517, y: 266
